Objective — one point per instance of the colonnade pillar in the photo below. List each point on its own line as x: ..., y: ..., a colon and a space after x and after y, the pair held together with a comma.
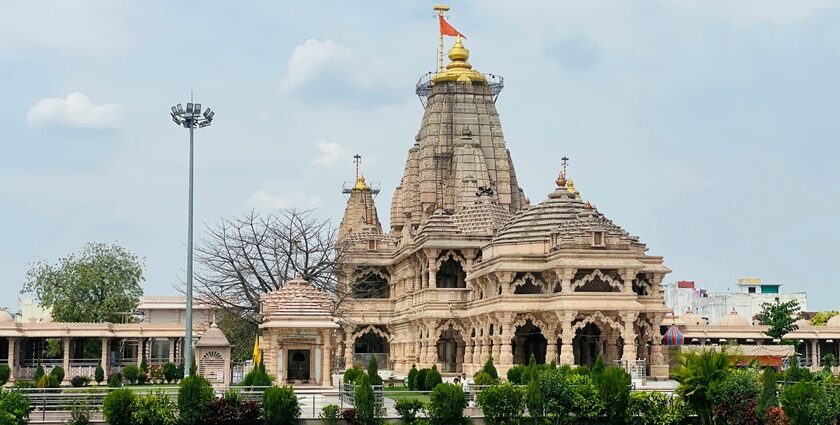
x: 10, y: 358
x: 105, y: 343
x: 65, y: 343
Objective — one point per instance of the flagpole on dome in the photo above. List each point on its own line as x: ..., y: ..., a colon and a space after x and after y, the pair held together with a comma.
x: 440, y: 8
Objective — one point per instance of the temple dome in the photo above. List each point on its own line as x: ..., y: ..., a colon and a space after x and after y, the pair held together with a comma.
x: 692, y: 319
x: 298, y: 298
x: 213, y: 337
x: 803, y: 323
x: 733, y: 320
x: 5, y: 317
x: 833, y: 322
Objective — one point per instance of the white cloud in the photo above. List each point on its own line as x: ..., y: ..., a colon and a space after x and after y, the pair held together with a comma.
x: 330, y: 153
x: 268, y: 200
x: 75, y: 110
x: 310, y: 59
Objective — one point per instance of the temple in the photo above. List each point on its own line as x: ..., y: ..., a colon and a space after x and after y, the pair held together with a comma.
x: 471, y: 270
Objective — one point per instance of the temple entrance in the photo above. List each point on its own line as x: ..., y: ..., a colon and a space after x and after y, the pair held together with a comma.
x: 587, y: 345
x: 450, y: 274
x: 528, y: 340
x: 298, y: 366
x: 450, y: 351
x: 371, y: 344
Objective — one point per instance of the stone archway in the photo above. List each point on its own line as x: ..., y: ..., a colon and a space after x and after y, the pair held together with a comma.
x: 371, y: 342
x: 528, y: 340
x: 587, y: 344
x: 450, y: 271
x: 450, y: 348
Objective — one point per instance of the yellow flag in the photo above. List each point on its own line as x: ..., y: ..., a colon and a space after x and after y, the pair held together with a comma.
x: 257, y: 356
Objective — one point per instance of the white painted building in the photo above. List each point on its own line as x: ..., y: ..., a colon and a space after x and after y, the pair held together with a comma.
x: 683, y: 296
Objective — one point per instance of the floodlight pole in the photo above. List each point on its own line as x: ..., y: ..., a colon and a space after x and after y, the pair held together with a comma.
x: 190, y: 118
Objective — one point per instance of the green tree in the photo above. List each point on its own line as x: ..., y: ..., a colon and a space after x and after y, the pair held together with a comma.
x: 118, y: 407
x: 99, y: 375
x: 697, y: 372
x: 780, y: 317
x: 365, y: 400
x: 194, y: 399
x: 502, y: 404
x: 446, y: 405
x: 373, y: 371
x: 280, y: 406
x: 769, y: 393
x: 614, y: 385
x: 821, y: 317
x: 98, y: 284
x: 432, y: 378
x: 412, y: 378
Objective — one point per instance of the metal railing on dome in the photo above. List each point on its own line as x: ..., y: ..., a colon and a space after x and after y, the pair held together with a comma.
x: 424, y: 86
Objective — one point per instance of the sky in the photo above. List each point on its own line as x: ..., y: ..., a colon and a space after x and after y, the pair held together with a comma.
x: 707, y: 128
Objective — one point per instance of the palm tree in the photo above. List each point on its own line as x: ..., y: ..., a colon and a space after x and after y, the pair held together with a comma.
x: 696, y: 373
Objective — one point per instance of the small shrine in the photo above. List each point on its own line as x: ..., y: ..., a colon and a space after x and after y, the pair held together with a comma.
x: 297, y: 334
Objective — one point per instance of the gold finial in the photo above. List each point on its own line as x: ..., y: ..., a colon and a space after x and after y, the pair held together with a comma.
x: 458, y: 69
x: 360, y: 183
x: 561, y: 180
x: 570, y: 186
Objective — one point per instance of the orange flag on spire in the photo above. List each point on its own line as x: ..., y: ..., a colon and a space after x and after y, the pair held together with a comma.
x: 446, y: 29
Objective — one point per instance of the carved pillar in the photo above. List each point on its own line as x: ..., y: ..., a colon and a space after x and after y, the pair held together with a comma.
x: 11, y: 358
x: 629, y: 336
x: 171, y: 350
x: 348, y: 347
x: 431, y: 256
x: 485, y: 350
x: 628, y: 277
x: 655, y: 284
x: 551, y: 347
x: 468, y: 353
x: 106, y: 351
x: 468, y: 258
x: 565, y: 276
x: 65, y: 342
x: 815, y: 355
x: 505, y: 279
x: 567, y: 355
x: 459, y: 357
x: 326, y: 359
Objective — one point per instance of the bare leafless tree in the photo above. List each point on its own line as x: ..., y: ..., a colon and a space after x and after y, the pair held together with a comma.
x: 244, y: 257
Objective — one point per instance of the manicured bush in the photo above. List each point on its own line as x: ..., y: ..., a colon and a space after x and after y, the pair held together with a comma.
x: 599, y: 366
x: 250, y: 413
x: 351, y: 374
x: 421, y: 379
x: 195, y: 396
x: 230, y: 409
x: 514, y: 374
x: 170, y: 372
x: 483, y: 378
x: 373, y: 372
x: 258, y: 377
x: 5, y: 373
x: 364, y: 398
x: 734, y: 399
x: 156, y: 373
x: 118, y: 406
x: 408, y: 409
x: 490, y: 369
x: 447, y: 404
x: 14, y: 407
x: 656, y: 408
x: 155, y: 409
x: 79, y: 381
x: 223, y: 413
x: 569, y: 397
x: 775, y: 416
x: 39, y: 372
x: 808, y: 403
x: 131, y: 373
x: 432, y: 378
x: 330, y: 414
x: 80, y: 414
x: 533, y: 400
x: 48, y: 381
x: 349, y: 416
x: 280, y: 406
x: 502, y: 404
x: 144, y: 366
x: 115, y: 380
x: 58, y: 372
x: 99, y: 375
x: 769, y: 392
x: 614, y: 388
x: 412, y: 378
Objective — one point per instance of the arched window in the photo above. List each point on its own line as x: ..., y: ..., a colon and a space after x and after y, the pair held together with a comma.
x: 371, y: 284
x: 450, y: 274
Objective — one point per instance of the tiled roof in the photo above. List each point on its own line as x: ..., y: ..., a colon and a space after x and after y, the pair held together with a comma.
x: 484, y: 217
x: 297, y: 298
x: 213, y: 337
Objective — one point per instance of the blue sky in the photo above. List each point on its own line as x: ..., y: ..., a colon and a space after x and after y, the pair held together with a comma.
x: 708, y: 128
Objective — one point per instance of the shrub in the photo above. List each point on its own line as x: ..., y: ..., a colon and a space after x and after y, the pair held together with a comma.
x: 47, y: 381
x: 5, y: 373
x: 408, y: 409
x: 79, y: 381
x: 280, y: 406
x: 697, y: 373
x: 614, y: 388
x: 223, y: 413
x: 489, y: 369
x: 502, y: 404
x: 144, y: 366
x: 131, y: 373
x: 421, y: 379
x: 775, y: 416
x: 195, y: 396
x: 446, y: 405
x: 656, y: 408
x: 23, y: 384
x: 156, y: 373
x: 567, y: 397
x: 734, y: 398
x: 351, y: 374
x: 373, y: 372
x: 115, y: 380
x: 769, y: 393
x: 330, y: 414
x: 170, y: 372
x: 599, y: 366
x: 58, y: 372
x: 412, y: 378
x: 514, y: 374
x: 795, y: 373
x: 533, y: 399
x: 349, y: 416
x: 154, y: 409
x: 250, y: 413
x: 483, y: 378
x: 258, y: 377
x: 432, y: 378
x: 79, y: 414
x: 39, y: 372
x: 807, y: 403
x: 14, y: 407
x: 117, y: 407
x: 99, y: 375
x: 365, y: 401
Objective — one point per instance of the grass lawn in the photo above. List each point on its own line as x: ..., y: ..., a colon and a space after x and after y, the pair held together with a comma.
x: 398, y: 393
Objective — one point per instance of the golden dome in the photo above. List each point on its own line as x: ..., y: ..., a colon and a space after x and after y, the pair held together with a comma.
x: 360, y: 183
x: 458, y: 68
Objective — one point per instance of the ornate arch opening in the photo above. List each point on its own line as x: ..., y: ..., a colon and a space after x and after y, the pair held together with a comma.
x: 528, y: 340
x: 528, y: 283
x: 371, y: 341
x: 641, y: 285
x: 596, y: 281
x: 371, y: 282
x: 450, y: 273
x: 450, y: 347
